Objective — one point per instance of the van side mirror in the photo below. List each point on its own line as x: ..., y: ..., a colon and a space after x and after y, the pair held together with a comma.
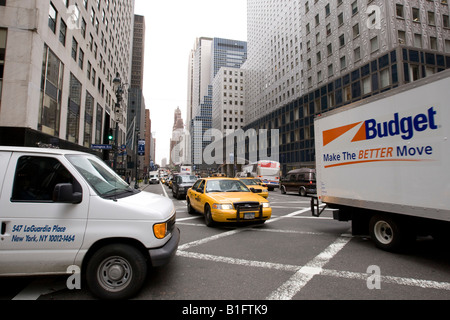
x: 63, y: 193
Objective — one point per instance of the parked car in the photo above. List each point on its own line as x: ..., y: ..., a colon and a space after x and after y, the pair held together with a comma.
x: 62, y: 208
x: 227, y: 200
x: 256, y: 186
x: 301, y: 181
x: 181, y: 184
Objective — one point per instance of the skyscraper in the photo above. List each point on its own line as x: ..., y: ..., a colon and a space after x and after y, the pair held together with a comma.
x: 58, y: 64
x: 206, y: 59
x: 138, y: 118
x: 308, y: 57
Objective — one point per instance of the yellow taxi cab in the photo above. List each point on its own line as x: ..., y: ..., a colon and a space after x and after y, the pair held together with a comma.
x: 227, y: 200
x: 257, y: 185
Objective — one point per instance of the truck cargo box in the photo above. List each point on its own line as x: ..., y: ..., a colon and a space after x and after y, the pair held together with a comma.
x: 389, y: 153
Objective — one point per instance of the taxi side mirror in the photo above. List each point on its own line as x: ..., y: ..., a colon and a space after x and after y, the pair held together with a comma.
x: 63, y: 193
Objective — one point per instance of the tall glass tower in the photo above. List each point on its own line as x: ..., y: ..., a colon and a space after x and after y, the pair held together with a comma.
x: 218, y: 53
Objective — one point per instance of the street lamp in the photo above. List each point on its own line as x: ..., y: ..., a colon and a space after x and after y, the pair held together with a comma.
x: 117, y: 84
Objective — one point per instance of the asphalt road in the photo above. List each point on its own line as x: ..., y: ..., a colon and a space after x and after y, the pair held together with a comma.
x: 293, y: 256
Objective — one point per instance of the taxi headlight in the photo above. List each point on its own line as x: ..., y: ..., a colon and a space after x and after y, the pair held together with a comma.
x: 226, y: 206
x: 266, y: 205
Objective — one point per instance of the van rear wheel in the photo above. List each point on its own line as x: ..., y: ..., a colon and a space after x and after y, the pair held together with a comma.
x: 116, y: 271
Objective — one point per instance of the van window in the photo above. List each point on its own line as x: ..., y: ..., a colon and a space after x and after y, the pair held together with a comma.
x: 100, y: 177
x: 36, y: 177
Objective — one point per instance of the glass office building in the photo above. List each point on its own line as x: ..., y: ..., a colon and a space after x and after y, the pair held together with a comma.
x: 309, y: 57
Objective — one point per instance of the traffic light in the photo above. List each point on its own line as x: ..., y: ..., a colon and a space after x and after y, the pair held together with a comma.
x: 110, y: 135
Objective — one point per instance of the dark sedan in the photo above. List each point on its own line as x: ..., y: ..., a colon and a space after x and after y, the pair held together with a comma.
x: 181, y: 184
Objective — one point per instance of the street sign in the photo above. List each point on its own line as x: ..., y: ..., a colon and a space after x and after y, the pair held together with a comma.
x: 141, y: 147
x: 101, y: 146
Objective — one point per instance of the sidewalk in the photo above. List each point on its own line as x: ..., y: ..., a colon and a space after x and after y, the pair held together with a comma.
x: 141, y: 185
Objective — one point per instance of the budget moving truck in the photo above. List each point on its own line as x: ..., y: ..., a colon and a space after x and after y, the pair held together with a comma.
x: 384, y: 163
x: 62, y: 211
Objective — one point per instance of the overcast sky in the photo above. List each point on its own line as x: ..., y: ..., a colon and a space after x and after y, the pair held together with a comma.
x: 171, y: 30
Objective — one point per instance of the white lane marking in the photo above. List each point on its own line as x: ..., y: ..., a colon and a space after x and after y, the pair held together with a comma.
x: 291, y: 287
x: 208, y: 239
x: 164, y: 190
x: 310, y: 271
x: 241, y: 262
x: 425, y: 284
x: 230, y: 233
x: 36, y: 289
x: 188, y: 218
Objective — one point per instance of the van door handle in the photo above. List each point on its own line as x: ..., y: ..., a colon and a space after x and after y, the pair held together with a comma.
x: 3, y: 230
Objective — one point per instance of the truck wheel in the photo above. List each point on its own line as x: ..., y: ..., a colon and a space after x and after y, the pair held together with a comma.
x: 389, y: 234
x: 283, y: 190
x: 208, y: 217
x: 116, y: 272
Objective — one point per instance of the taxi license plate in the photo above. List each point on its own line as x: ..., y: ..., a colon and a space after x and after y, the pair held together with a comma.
x: 249, y: 216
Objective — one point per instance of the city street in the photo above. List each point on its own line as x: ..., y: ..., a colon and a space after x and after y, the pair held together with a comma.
x: 293, y: 256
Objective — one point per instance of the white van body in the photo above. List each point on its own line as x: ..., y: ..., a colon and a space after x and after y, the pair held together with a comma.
x: 154, y: 177
x: 45, y: 234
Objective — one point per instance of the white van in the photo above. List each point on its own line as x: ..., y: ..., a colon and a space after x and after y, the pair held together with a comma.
x: 61, y: 208
x: 154, y: 177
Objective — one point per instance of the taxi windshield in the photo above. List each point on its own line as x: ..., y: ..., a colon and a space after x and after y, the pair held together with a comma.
x: 105, y: 182
x: 251, y: 182
x: 225, y: 186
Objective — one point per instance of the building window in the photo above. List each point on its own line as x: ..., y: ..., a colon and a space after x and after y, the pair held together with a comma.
x: 52, y: 14
x: 418, y: 40
x: 73, y: 112
x: 414, y: 72
x: 401, y: 37
x: 342, y: 40
x: 357, y: 54
x: 385, y: 79
x: 354, y: 8
x: 51, y: 93
x: 343, y: 63
x: 340, y: 19
x: 62, y: 32
x: 88, y: 120
x: 366, y: 85
x: 356, y: 30
x: 74, y: 49
x: 3, y: 33
x: 374, y: 44
x: 415, y: 14
x: 431, y: 19
x: 81, y: 59
x: 433, y: 43
x: 399, y: 10
x: 445, y: 21
x: 98, y: 124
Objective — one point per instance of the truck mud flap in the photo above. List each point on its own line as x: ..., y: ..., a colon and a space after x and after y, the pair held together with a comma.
x: 315, y: 207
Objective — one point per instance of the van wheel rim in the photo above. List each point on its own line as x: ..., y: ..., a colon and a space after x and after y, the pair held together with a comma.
x: 114, y: 274
x: 383, y: 232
